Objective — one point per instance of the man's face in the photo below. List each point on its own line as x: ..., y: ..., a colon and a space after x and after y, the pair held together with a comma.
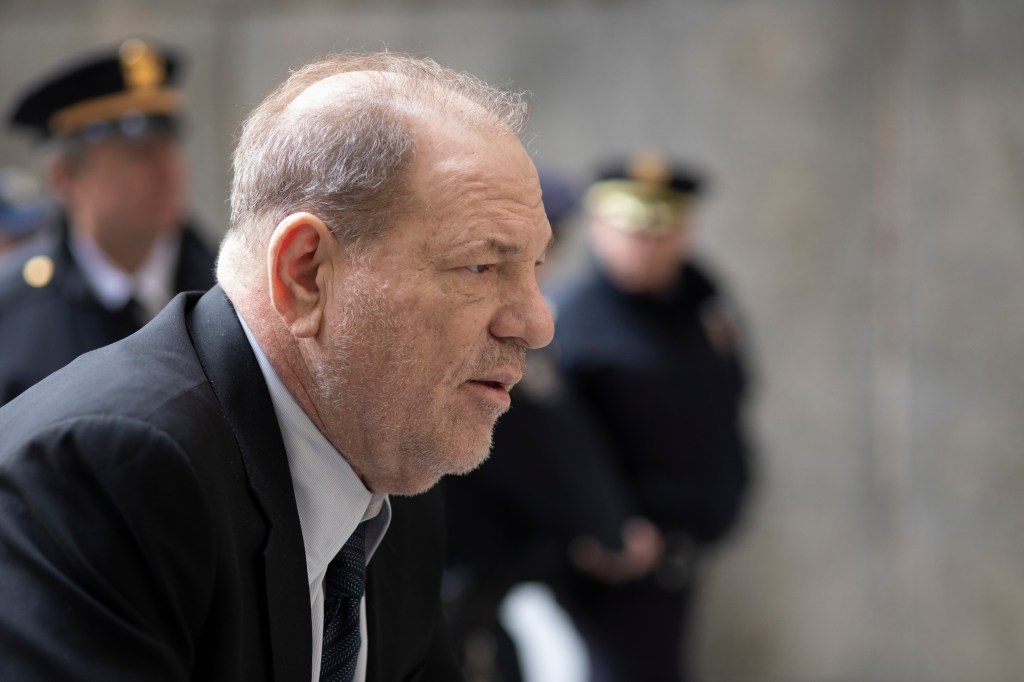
x: 639, y: 262
x: 128, y: 190
x: 423, y: 341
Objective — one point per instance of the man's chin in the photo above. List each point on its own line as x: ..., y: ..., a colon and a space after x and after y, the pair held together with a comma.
x: 421, y: 484
x: 470, y: 466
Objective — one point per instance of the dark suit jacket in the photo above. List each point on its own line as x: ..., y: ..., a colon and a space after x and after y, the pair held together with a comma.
x: 149, y: 531
x: 44, y: 328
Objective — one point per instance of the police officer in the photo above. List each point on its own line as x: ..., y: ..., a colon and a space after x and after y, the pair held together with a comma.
x: 648, y: 341
x: 108, y: 123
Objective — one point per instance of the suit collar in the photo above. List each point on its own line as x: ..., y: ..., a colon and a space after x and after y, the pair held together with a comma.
x: 235, y: 377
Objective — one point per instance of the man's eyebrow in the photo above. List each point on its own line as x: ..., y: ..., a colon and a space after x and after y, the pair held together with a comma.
x: 496, y: 246
x: 502, y: 248
x: 507, y: 249
x: 493, y: 245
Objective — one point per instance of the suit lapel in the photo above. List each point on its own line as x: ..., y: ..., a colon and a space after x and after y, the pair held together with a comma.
x: 235, y: 377
x: 378, y: 607
x: 402, y: 598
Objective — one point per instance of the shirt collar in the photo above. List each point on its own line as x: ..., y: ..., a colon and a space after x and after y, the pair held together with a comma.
x: 331, y: 499
x: 152, y: 285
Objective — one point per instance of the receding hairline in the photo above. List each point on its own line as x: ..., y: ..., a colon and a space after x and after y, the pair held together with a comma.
x: 321, y: 93
x: 422, y: 97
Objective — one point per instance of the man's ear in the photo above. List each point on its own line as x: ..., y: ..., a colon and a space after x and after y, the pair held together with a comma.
x: 300, y: 266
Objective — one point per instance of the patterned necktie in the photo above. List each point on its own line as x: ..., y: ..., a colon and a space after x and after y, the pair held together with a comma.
x: 343, y: 590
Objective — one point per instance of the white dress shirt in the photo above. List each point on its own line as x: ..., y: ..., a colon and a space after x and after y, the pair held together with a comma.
x: 152, y: 284
x: 331, y: 499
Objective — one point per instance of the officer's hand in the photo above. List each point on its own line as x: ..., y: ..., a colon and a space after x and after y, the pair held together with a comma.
x: 642, y: 547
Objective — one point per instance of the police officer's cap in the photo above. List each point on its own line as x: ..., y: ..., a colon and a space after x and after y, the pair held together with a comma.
x: 646, y: 192
x: 129, y: 90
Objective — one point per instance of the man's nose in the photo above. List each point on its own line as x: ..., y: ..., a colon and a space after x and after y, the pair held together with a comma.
x: 525, y: 316
x: 539, y: 321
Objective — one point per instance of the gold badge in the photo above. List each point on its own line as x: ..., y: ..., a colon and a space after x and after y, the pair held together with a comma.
x: 38, y: 271
x: 651, y: 167
x: 142, y: 67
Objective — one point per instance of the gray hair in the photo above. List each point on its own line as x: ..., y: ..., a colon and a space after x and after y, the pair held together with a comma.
x: 346, y: 161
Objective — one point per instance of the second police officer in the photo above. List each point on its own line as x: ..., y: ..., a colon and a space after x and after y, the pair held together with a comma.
x: 108, y: 124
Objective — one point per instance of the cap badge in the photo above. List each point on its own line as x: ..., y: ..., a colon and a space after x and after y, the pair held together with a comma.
x: 650, y: 167
x: 141, y: 65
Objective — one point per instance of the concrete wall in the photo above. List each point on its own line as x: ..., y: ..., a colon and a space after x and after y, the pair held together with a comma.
x: 869, y: 212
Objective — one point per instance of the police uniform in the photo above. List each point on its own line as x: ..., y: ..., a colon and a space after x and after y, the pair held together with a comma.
x: 52, y: 306
x: 663, y: 373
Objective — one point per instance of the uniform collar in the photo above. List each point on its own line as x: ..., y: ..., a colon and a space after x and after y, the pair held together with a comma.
x: 152, y: 286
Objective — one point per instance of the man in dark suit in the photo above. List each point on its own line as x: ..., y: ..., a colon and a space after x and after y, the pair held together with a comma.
x: 174, y: 506
x: 108, y: 123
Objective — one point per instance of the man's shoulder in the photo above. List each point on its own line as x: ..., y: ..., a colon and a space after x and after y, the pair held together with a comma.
x: 133, y: 377
x: 700, y: 274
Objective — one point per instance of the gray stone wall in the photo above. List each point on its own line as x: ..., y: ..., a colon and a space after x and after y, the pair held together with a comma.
x: 868, y: 211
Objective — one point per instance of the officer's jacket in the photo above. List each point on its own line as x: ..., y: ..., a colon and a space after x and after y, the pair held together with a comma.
x: 665, y: 376
x: 49, y: 314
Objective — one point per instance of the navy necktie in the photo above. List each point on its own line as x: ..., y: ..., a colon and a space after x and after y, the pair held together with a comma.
x: 343, y: 590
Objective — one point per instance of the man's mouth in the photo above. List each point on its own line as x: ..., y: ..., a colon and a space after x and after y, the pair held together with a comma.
x: 496, y: 387
x: 504, y: 380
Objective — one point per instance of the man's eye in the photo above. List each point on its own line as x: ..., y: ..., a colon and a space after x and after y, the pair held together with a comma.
x: 477, y: 269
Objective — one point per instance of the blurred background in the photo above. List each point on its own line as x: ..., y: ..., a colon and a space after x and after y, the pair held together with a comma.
x: 867, y: 210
